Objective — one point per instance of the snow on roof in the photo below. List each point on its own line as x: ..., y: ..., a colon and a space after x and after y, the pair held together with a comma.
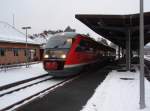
x: 9, y: 33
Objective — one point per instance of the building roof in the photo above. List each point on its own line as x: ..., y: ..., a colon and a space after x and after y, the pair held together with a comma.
x: 10, y: 34
x: 115, y: 27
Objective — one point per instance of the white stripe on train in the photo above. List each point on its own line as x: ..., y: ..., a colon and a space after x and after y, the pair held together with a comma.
x: 77, y: 65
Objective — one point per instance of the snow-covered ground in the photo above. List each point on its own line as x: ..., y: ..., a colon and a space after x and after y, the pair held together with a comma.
x: 115, y: 94
x: 21, y: 73
x: 147, y: 57
x: 17, y: 96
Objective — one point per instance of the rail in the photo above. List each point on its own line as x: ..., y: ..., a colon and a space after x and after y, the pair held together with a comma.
x: 52, y: 83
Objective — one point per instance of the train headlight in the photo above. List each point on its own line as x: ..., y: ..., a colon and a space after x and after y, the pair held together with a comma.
x: 63, y: 56
x: 46, y: 56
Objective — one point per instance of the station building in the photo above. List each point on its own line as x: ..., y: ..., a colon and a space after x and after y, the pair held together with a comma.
x: 13, y: 46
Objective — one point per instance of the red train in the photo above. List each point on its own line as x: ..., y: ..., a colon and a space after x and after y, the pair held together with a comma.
x: 67, y: 53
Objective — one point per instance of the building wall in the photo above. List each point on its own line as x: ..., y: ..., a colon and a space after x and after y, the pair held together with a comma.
x: 9, y: 57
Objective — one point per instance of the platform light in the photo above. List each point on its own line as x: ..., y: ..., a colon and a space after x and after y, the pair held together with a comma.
x: 46, y: 56
x: 27, y: 56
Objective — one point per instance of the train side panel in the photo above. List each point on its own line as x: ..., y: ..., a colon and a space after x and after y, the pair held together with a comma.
x: 81, y: 57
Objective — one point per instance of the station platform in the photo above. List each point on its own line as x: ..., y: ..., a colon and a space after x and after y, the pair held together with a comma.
x: 72, y: 96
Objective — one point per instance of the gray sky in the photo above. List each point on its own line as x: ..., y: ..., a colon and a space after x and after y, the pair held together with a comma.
x: 58, y: 14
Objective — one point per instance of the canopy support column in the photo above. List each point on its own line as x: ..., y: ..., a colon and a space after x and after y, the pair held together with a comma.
x: 128, y: 50
x: 142, y: 84
x: 119, y: 52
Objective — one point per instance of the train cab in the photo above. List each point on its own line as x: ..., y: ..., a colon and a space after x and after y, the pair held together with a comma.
x: 56, y: 52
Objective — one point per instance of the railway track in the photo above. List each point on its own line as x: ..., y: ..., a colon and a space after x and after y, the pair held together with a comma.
x: 21, y: 82
x: 24, y: 85
x: 14, y: 97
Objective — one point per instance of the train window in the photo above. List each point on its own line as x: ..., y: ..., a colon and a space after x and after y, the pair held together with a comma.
x: 59, y: 42
x: 91, y: 46
x: 78, y: 49
x: 83, y: 46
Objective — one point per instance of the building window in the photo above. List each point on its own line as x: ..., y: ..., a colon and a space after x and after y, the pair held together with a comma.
x: 34, y: 52
x: 16, y: 51
x: 83, y: 46
x: 25, y: 53
x: 2, y: 52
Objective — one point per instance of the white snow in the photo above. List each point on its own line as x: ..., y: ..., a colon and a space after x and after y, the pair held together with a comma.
x: 10, y: 34
x: 115, y: 94
x: 25, y: 84
x: 21, y: 73
x: 17, y: 96
x: 147, y: 57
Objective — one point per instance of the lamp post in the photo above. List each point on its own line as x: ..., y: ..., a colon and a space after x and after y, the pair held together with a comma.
x: 27, y: 53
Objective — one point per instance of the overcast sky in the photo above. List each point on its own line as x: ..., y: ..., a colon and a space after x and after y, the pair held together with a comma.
x: 58, y: 14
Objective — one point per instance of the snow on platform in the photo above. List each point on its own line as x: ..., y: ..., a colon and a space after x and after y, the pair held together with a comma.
x: 147, y: 57
x: 116, y: 94
x: 21, y: 73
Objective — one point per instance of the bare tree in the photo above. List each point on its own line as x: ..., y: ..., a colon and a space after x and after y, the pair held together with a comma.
x: 69, y: 29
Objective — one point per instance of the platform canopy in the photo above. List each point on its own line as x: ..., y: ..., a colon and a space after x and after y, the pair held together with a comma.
x: 116, y: 28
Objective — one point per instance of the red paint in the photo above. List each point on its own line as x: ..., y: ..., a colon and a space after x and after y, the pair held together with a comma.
x: 51, y: 65
x: 78, y: 57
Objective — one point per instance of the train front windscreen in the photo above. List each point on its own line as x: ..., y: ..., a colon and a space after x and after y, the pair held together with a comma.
x: 57, y: 47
